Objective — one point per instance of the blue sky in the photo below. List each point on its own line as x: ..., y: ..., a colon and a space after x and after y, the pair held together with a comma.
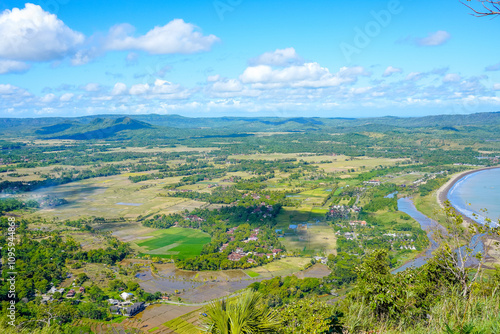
x: 247, y: 58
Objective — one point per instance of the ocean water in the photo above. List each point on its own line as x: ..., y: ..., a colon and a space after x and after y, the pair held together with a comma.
x: 477, y: 192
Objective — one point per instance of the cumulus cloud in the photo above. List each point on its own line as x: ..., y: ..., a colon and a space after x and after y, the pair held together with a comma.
x: 32, y: 34
x: 176, y: 36
x: 451, y: 77
x: 279, y: 57
x: 434, y: 39
x: 91, y: 87
x: 414, y: 76
x: 66, y: 97
x: 139, y: 89
x: 7, y: 89
x: 48, y: 98
x: 13, y: 66
x: 496, y: 86
x: 306, y: 75
x: 119, y: 89
x: 391, y: 70
x: 227, y: 85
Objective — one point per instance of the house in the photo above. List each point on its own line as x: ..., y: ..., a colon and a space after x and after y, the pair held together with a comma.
x: 251, y: 261
x: 321, y: 259
x: 54, y: 290
x: 276, y: 251
x: 223, y: 247
x: 134, y: 309
x: 235, y: 257
x: 71, y: 293
x: 115, y: 309
x: 82, y: 289
x: 113, y: 301
x: 126, y: 295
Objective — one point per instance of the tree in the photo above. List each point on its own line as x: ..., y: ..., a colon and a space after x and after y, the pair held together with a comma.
x: 463, y: 248
x: 245, y: 314
x: 489, y: 8
x: 309, y: 316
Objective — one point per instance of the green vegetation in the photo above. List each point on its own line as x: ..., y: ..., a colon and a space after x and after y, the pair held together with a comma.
x: 306, y: 207
x: 179, y: 243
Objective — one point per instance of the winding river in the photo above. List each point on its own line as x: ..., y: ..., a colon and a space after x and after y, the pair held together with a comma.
x: 479, y: 189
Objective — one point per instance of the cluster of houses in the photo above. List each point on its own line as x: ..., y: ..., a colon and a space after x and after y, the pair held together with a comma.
x: 372, y: 182
x: 342, y: 211
x: 195, y: 218
x: 239, y: 253
x: 126, y: 308
x: 70, y: 294
x: 257, y: 197
x: 401, y: 237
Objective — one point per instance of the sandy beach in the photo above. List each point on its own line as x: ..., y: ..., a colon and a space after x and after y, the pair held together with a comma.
x: 493, y: 254
x: 442, y: 193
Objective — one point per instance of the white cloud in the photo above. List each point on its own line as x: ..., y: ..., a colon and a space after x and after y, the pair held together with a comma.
x: 434, y: 39
x: 176, y: 36
x: 91, y: 87
x: 391, y: 70
x: 279, y: 57
x: 6, y: 89
x: 231, y: 85
x: 139, y: 89
x: 66, y: 97
x: 451, y: 77
x: 12, y: 66
x: 164, y: 87
x: 414, y: 76
x: 35, y: 35
x: 496, y: 86
x: 85, y: 56
x: 48, y: 98
x: 119, y: 88
x: 306, y: 75
x: 212, y: 78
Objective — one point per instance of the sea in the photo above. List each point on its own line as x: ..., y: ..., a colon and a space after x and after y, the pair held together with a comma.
x: 477, y: 196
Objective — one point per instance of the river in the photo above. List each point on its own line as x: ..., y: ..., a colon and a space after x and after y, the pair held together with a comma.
x: 428, y: 225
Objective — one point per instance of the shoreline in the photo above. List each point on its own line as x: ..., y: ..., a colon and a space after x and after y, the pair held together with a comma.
x: 442, y: 196
x: 442, y: 193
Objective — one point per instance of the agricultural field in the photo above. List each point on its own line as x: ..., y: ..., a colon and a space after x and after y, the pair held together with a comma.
x: 111, y: 197
x: 283, y: 267
x: 177, y: 243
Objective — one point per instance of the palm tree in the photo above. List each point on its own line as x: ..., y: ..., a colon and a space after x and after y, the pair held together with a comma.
x: 243, y: 315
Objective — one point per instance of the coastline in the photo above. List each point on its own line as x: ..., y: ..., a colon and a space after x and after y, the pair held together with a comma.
x: 492, y: 255
x: 442, y: 193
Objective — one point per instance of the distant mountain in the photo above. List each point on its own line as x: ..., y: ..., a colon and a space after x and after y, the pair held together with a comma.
x: 154, y: 125
x: 98, y: 128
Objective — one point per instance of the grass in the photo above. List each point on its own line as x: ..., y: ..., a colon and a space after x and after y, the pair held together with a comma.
x: 317, y: 239
x: 252, y: 274
x: 429, y: 206
x: 153, y: 329
x: 178, y: 242
x: 283, y: 267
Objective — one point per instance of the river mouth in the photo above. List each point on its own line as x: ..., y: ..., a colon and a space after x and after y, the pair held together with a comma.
x: 430, y: 226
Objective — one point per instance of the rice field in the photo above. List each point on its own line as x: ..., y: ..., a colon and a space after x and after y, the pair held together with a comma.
x: 176, y: 242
